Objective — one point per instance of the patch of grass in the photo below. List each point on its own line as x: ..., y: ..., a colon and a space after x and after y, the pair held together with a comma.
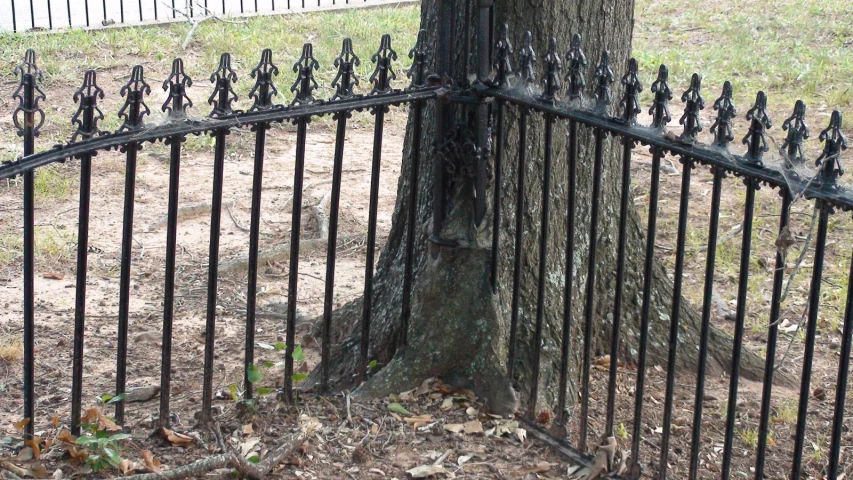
x: 789, y: 48
x: 53, y: 181
x: 11, y: 348
x: 786, y: 413
x: 749, y: 436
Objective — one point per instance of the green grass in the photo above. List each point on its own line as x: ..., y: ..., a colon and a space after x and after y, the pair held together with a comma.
x: 789, y: 48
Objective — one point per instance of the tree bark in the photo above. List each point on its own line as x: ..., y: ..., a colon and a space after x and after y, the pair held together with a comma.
x: 459, y: 328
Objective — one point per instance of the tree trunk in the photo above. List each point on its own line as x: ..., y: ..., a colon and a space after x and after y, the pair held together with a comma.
x: 459, y: 329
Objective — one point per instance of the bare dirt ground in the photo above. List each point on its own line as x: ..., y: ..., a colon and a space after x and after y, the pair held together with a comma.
x: 388, y: 446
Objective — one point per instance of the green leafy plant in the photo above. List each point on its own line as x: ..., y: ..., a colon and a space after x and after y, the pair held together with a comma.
x: 103, y: 446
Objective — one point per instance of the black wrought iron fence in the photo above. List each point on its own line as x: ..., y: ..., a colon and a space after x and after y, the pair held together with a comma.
x: 87, y: 140
x: 22, y: 15
x: 570, y: 105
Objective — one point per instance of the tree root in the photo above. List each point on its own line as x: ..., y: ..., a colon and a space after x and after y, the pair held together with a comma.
x: 231, y: 459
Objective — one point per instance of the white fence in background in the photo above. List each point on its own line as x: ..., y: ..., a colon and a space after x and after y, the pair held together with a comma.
x: 23, y: 15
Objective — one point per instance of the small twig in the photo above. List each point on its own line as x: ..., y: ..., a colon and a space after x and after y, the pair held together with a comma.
x: 236, y: 223
x: 349, y: 413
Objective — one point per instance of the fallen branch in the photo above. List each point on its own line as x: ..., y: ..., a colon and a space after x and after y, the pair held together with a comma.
x: 249, y: 470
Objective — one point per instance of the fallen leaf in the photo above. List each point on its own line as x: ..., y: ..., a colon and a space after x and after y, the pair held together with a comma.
x: 247, y: 429
x: 19, y: 426
x: 453, y: 427
x: 540, y: 467
x: 126, y: 466
x: 423, y: 387
x: 55, y: 421
x: 25, y: 454
x: 91, y: 417
x: 472, y: 427
x: 521, y: 434
x: 176, y: 438
x: 151, y: 463
x: 471, y: 411
x: 418, y: 421
x: 397, y: 408
x: 142, y: 394
x: 425, y: 471
x: 105, y: 423
x: 249, y: 445
x: 66, y: 436
x: 34, y: 444
x: 603, y: 361
x: 54, y: 276
x: 463, y: 459
x: 447, y: 403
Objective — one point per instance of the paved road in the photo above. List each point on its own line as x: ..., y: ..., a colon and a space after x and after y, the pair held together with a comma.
x: 47, y: 14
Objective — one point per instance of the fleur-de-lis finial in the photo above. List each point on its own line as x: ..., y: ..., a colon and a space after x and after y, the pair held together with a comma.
x: 630, y: 103
x: 176, y: 84
x: 693, y: 103
x: 577, y: 63
x: 134, y: 107
x: 527, y: 60
x: 223, y: 94
x: 346, y: 78
x: 660, y: 106
x: 726, y: 113
x: 384, y: 73
x: 417, y: 72
x: 603, y: 79
x: 28, y: 95
x: 502, y: 62
x: 798, y: 131
x: 264, y: 88
x: 551, y: 80
x: 756, y: 139
x: 305, y: 84
x: 834, y: 142
x: 88, y: 114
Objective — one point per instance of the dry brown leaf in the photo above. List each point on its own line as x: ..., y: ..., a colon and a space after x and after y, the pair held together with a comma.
x: 34, y: 444
x: 76, y: 453
x: 126, y: 467
x: 453, y: 427
x: 175, y: 438
x: 603, y: 361
x: 247, y: 429
x: 540, y: 467
x: 66, y: 436
x: 104, y: 423
x: 423, y: 387
x: 425, y: 471
x: 91, y: 417
x: 19, y: 426
x: 55, y: 421
x: 151, y: 463
x: 472, y: 427
x: 447, y: 403
x: 25, y: 454
x: 424, y: 418
x: 54, y: 276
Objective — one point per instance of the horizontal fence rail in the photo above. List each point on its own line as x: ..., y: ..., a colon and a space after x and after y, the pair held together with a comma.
x: 24, y: 15
x: 605, y: 114
x: 87, y: 140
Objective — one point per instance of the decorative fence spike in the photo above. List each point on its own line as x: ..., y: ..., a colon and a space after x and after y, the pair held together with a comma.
x: 551, y: 80
x: 630, y: 103
x: 726, y: 113
x: 834, y: 142
x: 419, y: 53
x: 663, y: 94
x: 577, y: 63
x: 603, y: 79
x: 527, y: 60
x: 502, y: 63
x: 88, y: 114
x: 756, y: 139
x: 384, y: 73
x: 693, y: 104
x: 176, y: 84
x: 28, y: 94
x: 223, y: 93
x: 305, y: 83
x: 346, y: 78
x: 264, y: 88
x: 134, y: 107
x: 798, y: 132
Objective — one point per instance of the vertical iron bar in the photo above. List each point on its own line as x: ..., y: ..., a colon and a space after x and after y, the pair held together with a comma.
x: 707, y: 301
x: 121, y: 8
x: 841, y: 386
x: 105, y: 10
x: 86, y: 6
x: 293, y: 272
x: 496, y: 202
x: 28, y: 80
x: 124, y: 276
x: 620, y: 283
x: 80, y: 289
x: 213, y: 271
x: 32, y: 15
x: 411, y: 218
x: 155, y: 9
x: 254, y: 240
x: 331, y: 251
x: 543, y: 266
x: 67, y: 3
x: 740, y: 315
x: 569, y: 279
x: 811, y: 332
x: 519, y: 228
x: 442, y: 117
x: 169, y: 294
x: 49, y: 16
x: 676, y: 313
x: 590, y: 285
x: 15, y: 23
x: 772, y: 334
x: 645, y: 312
x: 140, y: 10
x: 367, y: 302
x: 174, y: 12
